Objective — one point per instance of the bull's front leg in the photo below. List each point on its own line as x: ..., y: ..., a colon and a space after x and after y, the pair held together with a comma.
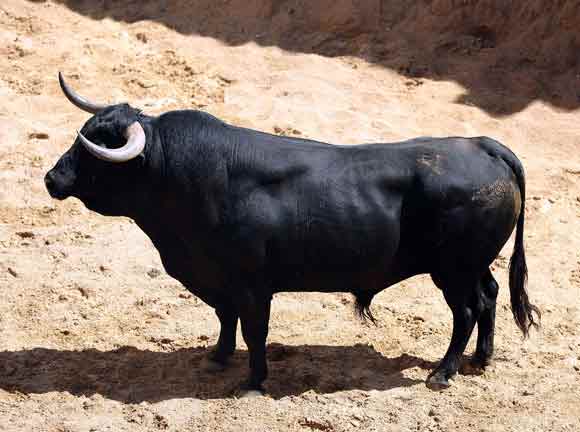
x: 226, y: 344
x: 254, y: 311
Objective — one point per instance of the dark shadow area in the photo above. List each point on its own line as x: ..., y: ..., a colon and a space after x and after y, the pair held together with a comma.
x: 504, y: 54
x: 131, y: 375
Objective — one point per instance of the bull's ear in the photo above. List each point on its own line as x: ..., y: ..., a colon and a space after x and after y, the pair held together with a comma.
x: 125, y: 117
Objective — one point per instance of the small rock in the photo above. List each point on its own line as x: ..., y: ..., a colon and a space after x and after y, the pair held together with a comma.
x: 12, y: 272
x: 226, y: 79
x: 551, y: 200
x: 153, y: 273
x: 25, y: 234
x: 142, y: 37
x: 185, y: 295
x: 85, y: 292
x: 65, y: 332
x: 573, y: 170
x: 62, y: 297
x: 161, y: 422
x: 145, y: 84
x: 38, y: 135
x: 527, y: 393
x: 315, y: 424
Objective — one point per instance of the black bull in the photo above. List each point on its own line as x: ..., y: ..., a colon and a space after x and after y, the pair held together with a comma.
x: 238, y: 215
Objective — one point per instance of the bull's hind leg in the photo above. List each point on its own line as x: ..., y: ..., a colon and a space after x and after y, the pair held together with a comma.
x: 461, y: 294
x: 485, y: 326
x: 254, y: 312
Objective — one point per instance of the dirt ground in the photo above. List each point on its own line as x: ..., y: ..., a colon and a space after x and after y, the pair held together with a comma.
x: 94, y: 336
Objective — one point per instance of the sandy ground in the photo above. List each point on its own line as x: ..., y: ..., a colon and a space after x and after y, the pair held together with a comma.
x: 94, y: 336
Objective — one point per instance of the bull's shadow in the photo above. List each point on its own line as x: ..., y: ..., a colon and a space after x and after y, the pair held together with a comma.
x: 504, y: 54
x: 131, y: 375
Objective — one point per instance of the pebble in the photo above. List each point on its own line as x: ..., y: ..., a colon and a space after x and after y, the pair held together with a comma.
x: 38, y: 135
x: 142, y: 37
x: 572, y: 170
x: 145, y: 84
x: 25, y: 234
x: 85, y: 292
x: 13, y: 272
x: 153, y: 273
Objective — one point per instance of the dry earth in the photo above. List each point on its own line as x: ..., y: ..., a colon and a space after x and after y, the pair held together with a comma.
x: 95, y: 337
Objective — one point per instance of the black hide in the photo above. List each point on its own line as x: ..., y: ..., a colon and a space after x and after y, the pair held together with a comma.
x: 238, y: 215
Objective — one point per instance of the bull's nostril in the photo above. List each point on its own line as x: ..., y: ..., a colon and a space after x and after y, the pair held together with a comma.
x: 48, y: 181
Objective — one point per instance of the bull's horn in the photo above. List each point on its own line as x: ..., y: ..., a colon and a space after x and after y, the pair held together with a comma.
x: 77, y: 100
x: 135, y: 144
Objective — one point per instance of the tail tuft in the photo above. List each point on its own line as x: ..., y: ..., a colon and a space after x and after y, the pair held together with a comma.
x: 363, y: 304
x: 522, y: 309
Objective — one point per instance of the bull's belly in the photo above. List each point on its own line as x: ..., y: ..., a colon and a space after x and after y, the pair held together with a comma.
x: 370, y: 274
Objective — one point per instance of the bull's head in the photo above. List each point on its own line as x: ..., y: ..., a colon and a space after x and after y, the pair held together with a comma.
x: 103, y: 164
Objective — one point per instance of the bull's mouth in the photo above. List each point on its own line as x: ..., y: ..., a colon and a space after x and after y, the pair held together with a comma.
x: 59, y: 195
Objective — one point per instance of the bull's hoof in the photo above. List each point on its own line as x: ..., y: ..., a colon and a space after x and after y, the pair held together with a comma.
x: 473, y: 367
x: 437, y: 382
x: 208, y: 364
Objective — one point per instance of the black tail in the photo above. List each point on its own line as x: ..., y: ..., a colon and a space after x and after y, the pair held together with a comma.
x: 522, y: 309
x: 363, y: 306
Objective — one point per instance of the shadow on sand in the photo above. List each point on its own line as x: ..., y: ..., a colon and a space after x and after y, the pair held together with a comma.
x: 131, y: 375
